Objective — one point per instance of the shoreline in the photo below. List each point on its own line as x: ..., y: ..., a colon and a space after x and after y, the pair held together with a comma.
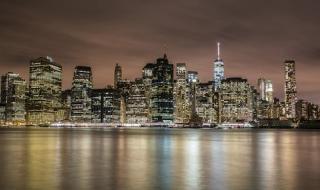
x: 158, y: 127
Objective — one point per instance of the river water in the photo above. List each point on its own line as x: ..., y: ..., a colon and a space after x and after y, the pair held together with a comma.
x: 159, y: 159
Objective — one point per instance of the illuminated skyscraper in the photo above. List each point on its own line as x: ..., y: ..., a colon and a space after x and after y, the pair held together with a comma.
x: 136, y: 103
x: 204, y: 102
x: 162, y: 91
x: 81, y: 94
x: 236, y: 100
x: 105, y: 105
x: 290, y: 89
x: 302, y: 109
x: 66, y: 104
x: 147, y: 75
x: 44, y: 91
x: 117, y: 75
x: 13, y: 96
x: 193, y: 77
x: 124, y: 86
x: 218, y: 71
x: 182, y: 102
x: 265, y: 89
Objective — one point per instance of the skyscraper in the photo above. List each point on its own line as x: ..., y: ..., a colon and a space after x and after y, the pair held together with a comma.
x: 147, y: 75
x: 218, y: 70
x: 162, y: 91
x: 117, y: 75
x: 45, y: 85
x: 81, y: 94
x: 204, y: 102
x: 193, y: 77
x: 13, y: 96
x: 236, y: 100
x: 290, y: 89
x: 66, y: 104
x: 105, y: 105
x: 182, y: 102
x: 136, y: 103
x: 265, y: 89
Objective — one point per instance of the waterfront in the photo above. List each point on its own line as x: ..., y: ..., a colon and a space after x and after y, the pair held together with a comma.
x: 159, y: 159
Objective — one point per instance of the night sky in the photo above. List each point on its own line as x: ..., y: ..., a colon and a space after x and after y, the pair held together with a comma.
x: 256, y: 36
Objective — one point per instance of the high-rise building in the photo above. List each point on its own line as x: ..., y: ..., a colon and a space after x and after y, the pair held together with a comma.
x: 236, y: 100
x: 117, y: 75
x: 66, y: 104
x: 182, y: 102
x: 13, y: 96
x: 124, y: 86
x: 218, y: 70
x: 2, y: 114
x: 105, y: 105
x: 302, y: 110
x: 81, y: 94
x: 162, y: 91
x: 193, y: 77
x: 265, y: 89
x: 204, y: 102
x: 45, y: 85
x: 276, y: 109
x: 313, y: 111
x: 290, y: 89
x: 254, y: 97
x: 136, y: 103
x: 147, y: 76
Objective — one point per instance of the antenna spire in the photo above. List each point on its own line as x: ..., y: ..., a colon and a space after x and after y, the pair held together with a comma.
x: 218, y: 44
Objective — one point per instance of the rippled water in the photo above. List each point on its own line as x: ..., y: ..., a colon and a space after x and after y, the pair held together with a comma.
x: 159, y: 159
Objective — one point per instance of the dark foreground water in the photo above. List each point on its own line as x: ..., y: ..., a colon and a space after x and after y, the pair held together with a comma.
x: 159, y: 159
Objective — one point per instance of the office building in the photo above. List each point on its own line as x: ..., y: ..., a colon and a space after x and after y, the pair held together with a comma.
x: 105, y: 105
x: 182, y: 111
x: 81, y: 94
x: 136, y: 103
x: 218, y: 70
x: 290, y: 89
x: 236, y: 102
x: 204, y: 103
x: 162, y: 91
x: 13, y: 96
x: 117, y: 75
x: 44, y: 91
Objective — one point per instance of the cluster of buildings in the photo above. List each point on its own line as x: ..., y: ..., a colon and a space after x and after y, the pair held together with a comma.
x: 165, y: 93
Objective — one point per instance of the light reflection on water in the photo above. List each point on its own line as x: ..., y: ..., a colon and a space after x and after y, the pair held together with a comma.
x: 159, y: 159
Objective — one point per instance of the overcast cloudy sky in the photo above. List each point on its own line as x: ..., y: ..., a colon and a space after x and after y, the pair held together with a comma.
x: 256, y: 36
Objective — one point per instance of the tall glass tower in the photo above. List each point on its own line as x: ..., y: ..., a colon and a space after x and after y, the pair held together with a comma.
x: 117, y: 75
x: 218, y: 70
x: 290, y: 89
x: 45, y: 84
x: 81, y: 94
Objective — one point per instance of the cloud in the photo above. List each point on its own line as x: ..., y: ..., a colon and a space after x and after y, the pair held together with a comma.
x: 256, y: 37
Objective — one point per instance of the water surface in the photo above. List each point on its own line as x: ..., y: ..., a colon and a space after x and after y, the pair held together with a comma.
x: 159, y: 159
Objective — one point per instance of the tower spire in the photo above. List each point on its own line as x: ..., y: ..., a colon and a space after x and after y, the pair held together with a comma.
x: 218, y: 44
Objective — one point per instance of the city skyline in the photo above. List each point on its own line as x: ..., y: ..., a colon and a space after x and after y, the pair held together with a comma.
x: 103, y: 37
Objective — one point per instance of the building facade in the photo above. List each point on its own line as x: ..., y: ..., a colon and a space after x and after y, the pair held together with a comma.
x: 236, y: 100
x: 290, y: 89
x: 137, y: 103
x: 204, y: 102
x: 45, y: 85
x: 81, y: 94
x: 218, y: 71
x: 162, y: 91
x: 105, y: 105
x: 13, y: 96
x: 265, y: 89
x: 117, y: 75
x: 182, y: 110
